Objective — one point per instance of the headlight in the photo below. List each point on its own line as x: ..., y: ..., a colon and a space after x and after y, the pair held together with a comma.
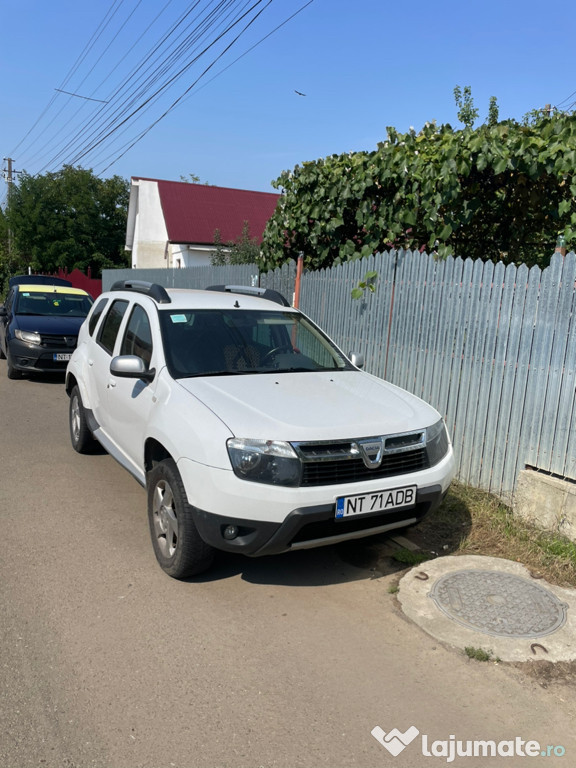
x: 28, y: 336
x: 264, y: 461
x: 436, y: 442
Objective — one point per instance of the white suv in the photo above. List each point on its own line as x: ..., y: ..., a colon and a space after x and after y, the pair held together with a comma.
x: 250, y: 429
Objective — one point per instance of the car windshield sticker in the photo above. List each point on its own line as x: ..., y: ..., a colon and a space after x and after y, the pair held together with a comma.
x: 178, y: 318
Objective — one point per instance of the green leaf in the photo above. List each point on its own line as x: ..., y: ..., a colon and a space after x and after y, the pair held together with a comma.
x: 445, y: 232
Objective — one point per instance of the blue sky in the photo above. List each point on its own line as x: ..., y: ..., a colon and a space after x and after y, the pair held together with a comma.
x: 363, y: 65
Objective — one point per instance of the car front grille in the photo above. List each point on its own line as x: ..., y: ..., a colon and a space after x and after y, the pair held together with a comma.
x: 50, y: 341
x: 355, y: 471
x: 345, y: 461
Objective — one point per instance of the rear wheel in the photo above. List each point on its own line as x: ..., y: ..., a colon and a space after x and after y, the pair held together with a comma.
x: 178, y: 547
x: 82, y: 439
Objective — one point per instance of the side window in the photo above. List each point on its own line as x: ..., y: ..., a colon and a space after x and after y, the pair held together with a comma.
x: 110, y: 326
x: 9, y: 300
x: 138, y: 336
x: 95, y: 316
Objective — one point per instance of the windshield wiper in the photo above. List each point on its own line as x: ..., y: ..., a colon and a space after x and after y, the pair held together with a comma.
x: 296, y: 369
x: 215, y: 373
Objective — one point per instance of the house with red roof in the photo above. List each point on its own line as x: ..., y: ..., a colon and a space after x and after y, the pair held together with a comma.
x: 172, y: 223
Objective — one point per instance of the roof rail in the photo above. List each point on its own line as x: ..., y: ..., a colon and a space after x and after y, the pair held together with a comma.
x: 263, y: 293
x: 38, y: 280
x: 155, y: 291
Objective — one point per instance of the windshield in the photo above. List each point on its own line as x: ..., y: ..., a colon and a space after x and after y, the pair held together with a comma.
x: 46, y: 303
x: 227, y: 342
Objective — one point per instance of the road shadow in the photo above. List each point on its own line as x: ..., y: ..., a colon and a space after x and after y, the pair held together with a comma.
x: 323, y: 566
x: 443, y: 531
x: 43, y: 378
x: 357, y: 560
x: 373, y: 557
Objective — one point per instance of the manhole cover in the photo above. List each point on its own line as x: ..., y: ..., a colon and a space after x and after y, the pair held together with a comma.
x: 498, y: 604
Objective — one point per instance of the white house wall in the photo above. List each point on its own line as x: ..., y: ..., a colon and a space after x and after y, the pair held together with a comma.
x: 191, y: 255
x: 147, y: 235
x: 150, y: 234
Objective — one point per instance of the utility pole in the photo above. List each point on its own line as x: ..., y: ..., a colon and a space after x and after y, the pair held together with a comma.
x: 9, y: 178
x: 9, y: 174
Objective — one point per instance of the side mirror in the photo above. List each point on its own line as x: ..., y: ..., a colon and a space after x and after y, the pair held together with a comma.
x: 357, y: 360
x: 3, y: 312
x: 131, y: 367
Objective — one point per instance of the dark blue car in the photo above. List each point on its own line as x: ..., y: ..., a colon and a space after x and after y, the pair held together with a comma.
x: 39, y: 324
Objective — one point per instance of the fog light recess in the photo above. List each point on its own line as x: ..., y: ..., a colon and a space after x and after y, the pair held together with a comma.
x: 230, y: 532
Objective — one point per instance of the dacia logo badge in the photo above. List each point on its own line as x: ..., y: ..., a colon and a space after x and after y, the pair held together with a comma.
x: 372, y: 451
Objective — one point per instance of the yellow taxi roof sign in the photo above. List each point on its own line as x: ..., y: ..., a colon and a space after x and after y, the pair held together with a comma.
x: 38, y: 288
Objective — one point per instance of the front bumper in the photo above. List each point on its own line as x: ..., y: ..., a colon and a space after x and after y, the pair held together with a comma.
x: 309, y: 526
x: 38, y: 359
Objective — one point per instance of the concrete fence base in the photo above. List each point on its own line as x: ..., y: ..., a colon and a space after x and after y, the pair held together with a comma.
x: 547, y: 502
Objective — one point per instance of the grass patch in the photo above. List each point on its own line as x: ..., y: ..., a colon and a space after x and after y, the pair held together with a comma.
x: 407, y: 557
x: 473, y: 522
x: 479, y: 654
x: 393, y: 589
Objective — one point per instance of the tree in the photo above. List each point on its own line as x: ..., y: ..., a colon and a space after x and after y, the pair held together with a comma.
x: 69, y: 219
x: 493, y: 111
x: 10, y: 263
x: 467, y: 114
x: 501, y: 191
x: 243, y: 250
x: 192, y: 178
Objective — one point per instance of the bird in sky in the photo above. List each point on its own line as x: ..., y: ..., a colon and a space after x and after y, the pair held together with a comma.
x: 299, y: 92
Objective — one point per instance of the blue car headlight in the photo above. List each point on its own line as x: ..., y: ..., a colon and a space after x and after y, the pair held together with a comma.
x: 30, y: 337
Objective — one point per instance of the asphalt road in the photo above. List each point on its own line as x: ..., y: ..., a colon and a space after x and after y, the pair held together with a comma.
x: 284, y: 661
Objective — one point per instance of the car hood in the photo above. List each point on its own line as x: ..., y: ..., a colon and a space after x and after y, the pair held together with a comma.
x: 310, y: 406
x: 51, y: 324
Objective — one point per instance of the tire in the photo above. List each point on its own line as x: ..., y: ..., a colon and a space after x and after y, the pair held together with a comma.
x: 177, y: 544
x: 80, y: 436
x: 12, y: 373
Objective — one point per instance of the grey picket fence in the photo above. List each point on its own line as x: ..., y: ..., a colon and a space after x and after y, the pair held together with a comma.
x: 190, y: 277
x: 492, y: 347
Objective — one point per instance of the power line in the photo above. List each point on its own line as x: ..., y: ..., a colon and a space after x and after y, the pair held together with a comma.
x: 68, y: 93
x: 179, y: 99
x: 185, y: 94
x: 78, y: 111
x: 201, y: 28
x: 95, y: 37
x: 138, y: 99
x: 567, y: 99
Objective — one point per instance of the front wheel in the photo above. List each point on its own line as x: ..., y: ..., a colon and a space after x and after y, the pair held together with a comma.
x: 178, y: 547
x: 80, y: 436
